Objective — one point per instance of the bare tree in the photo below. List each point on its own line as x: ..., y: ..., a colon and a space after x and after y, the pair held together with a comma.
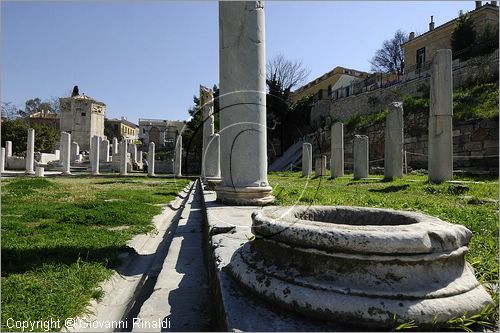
x: 390, y: 58
x: 282, y: 75
x: 54, y: 104
x: 9, y: 110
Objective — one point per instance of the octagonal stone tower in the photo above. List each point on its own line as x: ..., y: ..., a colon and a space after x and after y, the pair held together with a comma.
x: 82, y: 117
x: 242, y: 65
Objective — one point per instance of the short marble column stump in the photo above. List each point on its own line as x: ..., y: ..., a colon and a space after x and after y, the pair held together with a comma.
x: 40, y: 171
x: 320, y: 166
x: 307, y: 154
x: 2, y: 160
x: 151, y: 159
x: 337, y: 150
x: 30, y: 152
x: 178, y: 157
x: 94, y: 155
x: 123, y: 158
x: 360, y: 152
x: 393, y: 156
x: 66, y: 153
x: 8, y: 148
x: 104, y: 154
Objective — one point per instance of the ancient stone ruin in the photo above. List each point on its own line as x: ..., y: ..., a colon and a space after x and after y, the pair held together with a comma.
x: 361, y: 266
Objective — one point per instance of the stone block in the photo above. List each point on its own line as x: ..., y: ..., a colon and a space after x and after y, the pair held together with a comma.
x: 473, y: 146
x: 490, y: 144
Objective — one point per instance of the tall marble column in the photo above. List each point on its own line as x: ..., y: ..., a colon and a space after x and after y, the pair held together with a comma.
x: 360, y: 152
x: 66, y: 153
x: 94, y: 154
x: 178, y: 157
x: 123, y: 158
x: 207, y: 109
x: 307, y: 159
x: 393, y: 149
x: 242, y: 66
x: 2, y: 160
x: 337, y: 150
x: 440, y: 118
x: 30, y: 152
x: 8, y: 148
x: 151, y: 159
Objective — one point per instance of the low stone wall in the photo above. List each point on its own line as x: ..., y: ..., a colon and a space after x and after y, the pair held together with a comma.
x: 47, y: 157
x: 475, y: 144
x: 15, y: 163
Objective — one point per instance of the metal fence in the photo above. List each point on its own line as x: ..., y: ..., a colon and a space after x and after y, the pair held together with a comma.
x: 379, y: 80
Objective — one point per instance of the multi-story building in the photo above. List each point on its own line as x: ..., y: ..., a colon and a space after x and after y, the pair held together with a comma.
x: 162, y: 132
x: 44, y: 117
x: 323, y: 86
x: 121, y: 129
x: 83, y: 117
x: 419, y: 50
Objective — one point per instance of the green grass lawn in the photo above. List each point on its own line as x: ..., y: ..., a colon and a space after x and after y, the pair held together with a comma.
x: 61, y: 237
x: 472, y: 205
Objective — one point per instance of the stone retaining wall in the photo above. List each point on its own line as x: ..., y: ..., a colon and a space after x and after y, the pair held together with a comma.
x: 473, y: 142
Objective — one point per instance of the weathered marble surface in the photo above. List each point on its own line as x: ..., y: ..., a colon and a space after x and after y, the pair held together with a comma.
x: 337, y: 150
x: 393, y: 148
x: 360, y: 265
x: 243, y: 104
x: 440, y: 118
x: 307, y: 159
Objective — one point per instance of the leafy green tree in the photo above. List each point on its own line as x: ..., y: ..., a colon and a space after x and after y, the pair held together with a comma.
x: 463, y: 38
x: 17, y: 131
x: 35, y: 105
x: 487, y: 40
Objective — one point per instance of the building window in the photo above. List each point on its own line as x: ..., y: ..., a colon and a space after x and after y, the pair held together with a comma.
x: 329, y: 90
x: 83, y: 114
x: 420, y: 57
x: 347, y: 92
x: 143, y: 131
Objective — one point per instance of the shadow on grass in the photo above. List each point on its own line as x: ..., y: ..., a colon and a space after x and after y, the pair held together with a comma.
x: 390, y: 189
x: 22, y: 260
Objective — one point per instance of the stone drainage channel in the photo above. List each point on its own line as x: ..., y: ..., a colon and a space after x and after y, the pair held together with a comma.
x: 164, y: 285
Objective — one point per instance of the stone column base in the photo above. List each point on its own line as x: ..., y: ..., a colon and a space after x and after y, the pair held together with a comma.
x: 245, y: 196
x: 361, y: 266
x: 211, y: 182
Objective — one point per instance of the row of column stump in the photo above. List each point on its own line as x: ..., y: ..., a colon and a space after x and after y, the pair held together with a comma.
x: 440, y: 135
x: 99, y: 152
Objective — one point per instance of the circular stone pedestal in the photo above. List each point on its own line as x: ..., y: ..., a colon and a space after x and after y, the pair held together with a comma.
x: 362, y: 266
x: 245, y: 196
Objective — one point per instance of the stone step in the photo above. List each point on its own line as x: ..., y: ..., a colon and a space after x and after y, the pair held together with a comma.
x: 180, y: 300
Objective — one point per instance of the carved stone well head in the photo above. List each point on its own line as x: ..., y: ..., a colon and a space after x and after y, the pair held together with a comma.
x: 362, y: 266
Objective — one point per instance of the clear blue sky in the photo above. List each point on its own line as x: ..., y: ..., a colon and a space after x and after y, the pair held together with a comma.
x: 147, y: 59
